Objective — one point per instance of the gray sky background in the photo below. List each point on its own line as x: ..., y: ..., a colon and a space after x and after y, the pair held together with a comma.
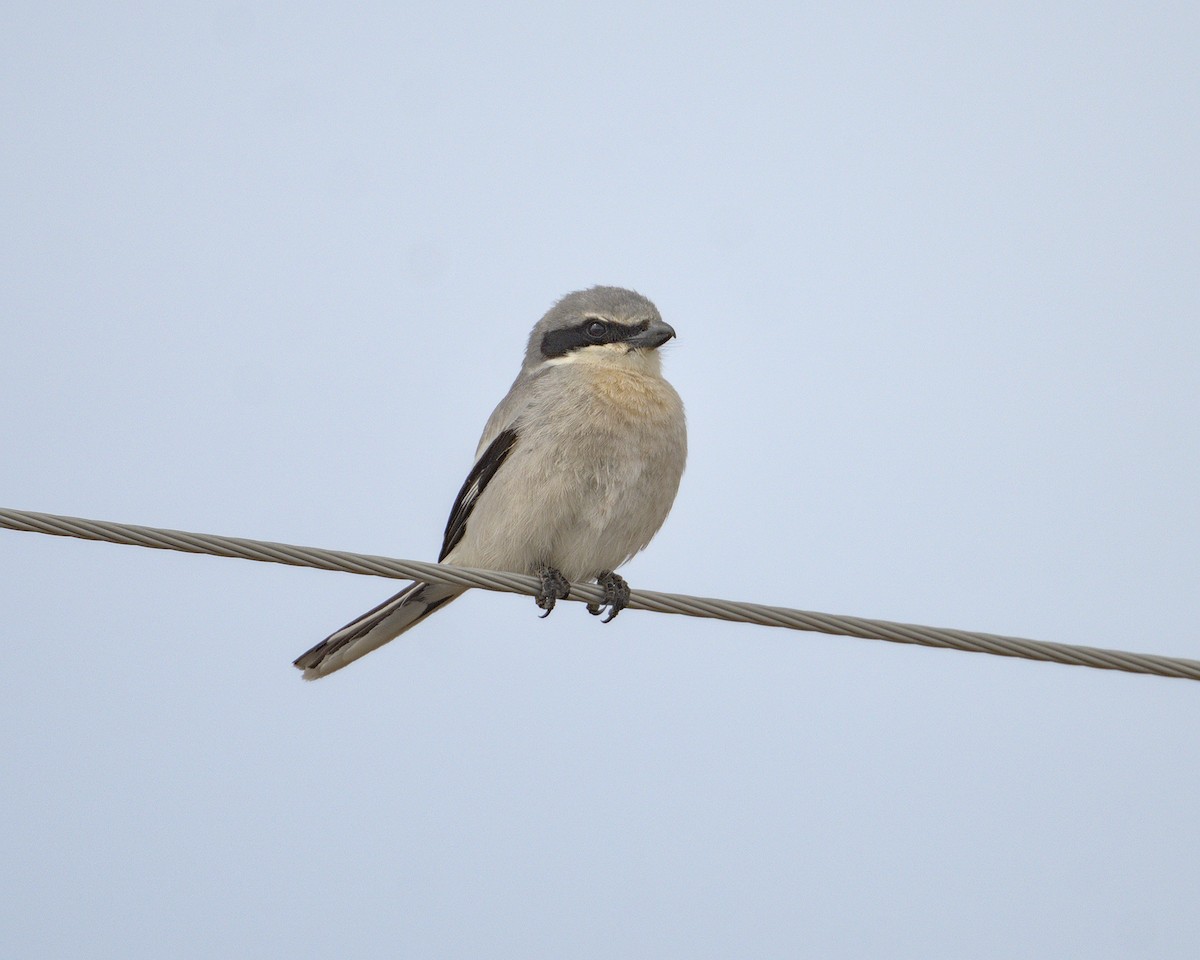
x: 265, y: 271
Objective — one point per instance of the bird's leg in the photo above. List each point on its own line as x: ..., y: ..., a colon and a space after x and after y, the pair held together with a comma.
x: 554, y: 587
x: 616, y: 595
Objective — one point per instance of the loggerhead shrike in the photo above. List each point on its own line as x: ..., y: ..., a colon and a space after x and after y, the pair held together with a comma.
x: 576, y: 470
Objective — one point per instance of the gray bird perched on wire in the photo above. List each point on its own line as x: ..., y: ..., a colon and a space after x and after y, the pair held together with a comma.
x: 575, y: 472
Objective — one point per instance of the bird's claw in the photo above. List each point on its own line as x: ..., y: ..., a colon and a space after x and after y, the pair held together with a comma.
x: 554, y: 587
x: 616, y: 596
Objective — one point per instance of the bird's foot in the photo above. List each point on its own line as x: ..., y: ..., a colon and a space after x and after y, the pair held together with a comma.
x: 616, y: 596
x: 554, y: 587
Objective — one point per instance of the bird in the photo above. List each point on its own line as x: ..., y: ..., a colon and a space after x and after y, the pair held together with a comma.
x: 576, y: 470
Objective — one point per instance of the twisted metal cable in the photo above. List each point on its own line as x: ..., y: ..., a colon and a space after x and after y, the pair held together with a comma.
x: 640, y: 599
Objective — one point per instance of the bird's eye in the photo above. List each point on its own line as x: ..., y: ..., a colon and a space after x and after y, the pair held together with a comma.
x: 596, y: 330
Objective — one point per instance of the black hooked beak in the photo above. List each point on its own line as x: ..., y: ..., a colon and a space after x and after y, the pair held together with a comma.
x: 653, y: 336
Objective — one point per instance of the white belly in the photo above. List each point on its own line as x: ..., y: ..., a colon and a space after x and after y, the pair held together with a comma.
x: 587, y: 485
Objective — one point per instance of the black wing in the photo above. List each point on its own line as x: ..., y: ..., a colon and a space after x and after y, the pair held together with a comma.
x: 480, y: 476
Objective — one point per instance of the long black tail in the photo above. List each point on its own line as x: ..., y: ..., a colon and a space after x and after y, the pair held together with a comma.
x: 376, y: 627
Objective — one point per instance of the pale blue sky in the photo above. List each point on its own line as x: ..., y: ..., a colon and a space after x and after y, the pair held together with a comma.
x: 267, y: 268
